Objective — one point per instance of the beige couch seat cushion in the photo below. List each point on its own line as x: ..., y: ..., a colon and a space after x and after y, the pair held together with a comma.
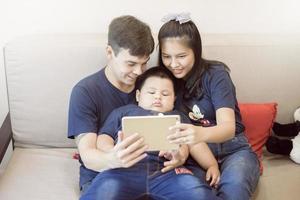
x: 280, y: 179
x: 38, y: 174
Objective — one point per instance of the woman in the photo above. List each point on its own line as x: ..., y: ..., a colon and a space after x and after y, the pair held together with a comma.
x: 207, y: 96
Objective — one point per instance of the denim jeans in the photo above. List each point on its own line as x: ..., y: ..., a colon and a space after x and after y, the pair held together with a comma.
x: 239, y: 167
x: 145, y: 179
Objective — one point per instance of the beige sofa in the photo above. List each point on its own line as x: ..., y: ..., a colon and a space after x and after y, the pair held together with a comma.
x: 42, y: 69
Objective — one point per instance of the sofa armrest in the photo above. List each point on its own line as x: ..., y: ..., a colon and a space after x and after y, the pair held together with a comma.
x: 5, y: 136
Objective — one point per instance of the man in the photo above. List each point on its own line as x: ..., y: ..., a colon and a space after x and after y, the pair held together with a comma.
x: 130, y: 43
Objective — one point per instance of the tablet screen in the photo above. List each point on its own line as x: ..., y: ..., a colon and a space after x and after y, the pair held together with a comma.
x: 154, y: 129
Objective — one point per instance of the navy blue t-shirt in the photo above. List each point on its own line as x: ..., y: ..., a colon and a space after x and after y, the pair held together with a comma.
x: 92, y: 100
x: 113, y: 122
x: 218, y: 92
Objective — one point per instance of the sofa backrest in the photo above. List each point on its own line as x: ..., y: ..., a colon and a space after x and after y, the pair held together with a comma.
x: 42, y: 69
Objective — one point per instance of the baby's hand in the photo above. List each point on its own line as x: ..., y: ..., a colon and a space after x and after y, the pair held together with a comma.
x: 213, y: 176
x: 176, y: 158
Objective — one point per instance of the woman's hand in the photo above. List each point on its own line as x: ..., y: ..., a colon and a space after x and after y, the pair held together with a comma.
x: 176, y: 158
x: 186, y: 134
x: 213, y: 176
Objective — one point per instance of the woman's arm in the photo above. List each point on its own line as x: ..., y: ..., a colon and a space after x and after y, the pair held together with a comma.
x: 191, y: 134
x: 224, y: 130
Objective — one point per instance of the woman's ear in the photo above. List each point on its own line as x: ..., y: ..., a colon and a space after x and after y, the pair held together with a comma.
x: 137, y: 95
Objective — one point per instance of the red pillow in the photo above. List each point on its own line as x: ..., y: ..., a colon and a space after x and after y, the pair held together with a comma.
x: 258, y: 119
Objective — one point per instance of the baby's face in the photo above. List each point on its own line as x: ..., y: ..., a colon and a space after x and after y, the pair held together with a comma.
x: 156, y: 94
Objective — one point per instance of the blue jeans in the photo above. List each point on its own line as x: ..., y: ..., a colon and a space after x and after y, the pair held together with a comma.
x: 145, y: 178
x: 239, y: 168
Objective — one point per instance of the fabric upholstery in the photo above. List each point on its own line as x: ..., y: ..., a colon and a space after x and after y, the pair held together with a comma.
x: 38, y: 174
x: 42, y: 69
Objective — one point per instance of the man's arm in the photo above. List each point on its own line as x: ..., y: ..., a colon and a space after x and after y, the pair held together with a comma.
x: 92, y: 157
x: 125, y: 153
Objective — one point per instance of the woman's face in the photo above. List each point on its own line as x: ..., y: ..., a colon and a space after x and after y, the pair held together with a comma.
x: 177, y: 56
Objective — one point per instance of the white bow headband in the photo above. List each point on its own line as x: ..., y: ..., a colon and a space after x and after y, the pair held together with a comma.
x: 181, y: 17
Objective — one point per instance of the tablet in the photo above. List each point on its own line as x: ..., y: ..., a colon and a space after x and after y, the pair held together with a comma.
x: 154, y: 129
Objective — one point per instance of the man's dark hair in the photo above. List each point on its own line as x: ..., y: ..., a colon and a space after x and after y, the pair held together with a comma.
x: 130, y: 33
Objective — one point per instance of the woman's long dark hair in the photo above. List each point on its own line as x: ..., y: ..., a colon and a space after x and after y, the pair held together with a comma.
x: 189, y: 33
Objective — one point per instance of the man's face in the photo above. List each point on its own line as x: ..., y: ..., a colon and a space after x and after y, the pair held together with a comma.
x: 126, y: 68
x: 156, y: 94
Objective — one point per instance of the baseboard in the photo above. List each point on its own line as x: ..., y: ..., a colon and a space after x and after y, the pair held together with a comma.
x: 5, y: 136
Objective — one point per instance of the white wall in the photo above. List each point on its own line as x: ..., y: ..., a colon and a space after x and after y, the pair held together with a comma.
x: 19, y: 17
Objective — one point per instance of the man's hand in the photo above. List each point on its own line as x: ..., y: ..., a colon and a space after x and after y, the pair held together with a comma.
x: 99, y: 153
x: 176, y: 157
x: 128, y: 151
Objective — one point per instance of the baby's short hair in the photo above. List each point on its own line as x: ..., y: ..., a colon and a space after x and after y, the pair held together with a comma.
x: 156, y: 71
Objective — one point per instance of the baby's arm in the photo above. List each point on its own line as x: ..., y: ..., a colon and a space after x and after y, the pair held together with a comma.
x: 204, y: 157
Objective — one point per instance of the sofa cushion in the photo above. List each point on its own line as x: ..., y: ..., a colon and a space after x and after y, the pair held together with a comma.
x: 37, y: 174
x: 41, y: 71
x: 280, y: 180
x: 258, y: 120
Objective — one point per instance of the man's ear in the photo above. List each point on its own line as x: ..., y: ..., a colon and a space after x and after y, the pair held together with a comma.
x: 137, y: 95
x: 109, y: 52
